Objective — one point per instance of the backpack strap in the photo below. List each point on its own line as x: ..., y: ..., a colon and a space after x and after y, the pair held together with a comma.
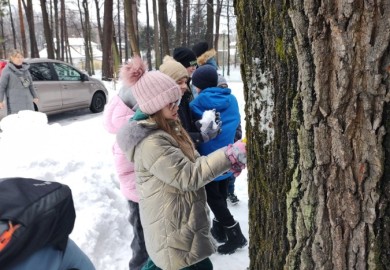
x: 6, y: 236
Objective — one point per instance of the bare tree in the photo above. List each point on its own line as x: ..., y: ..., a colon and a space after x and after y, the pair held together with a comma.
x: 120, y: 32
x: 107, y: 67
x: 22, y: 29
x: 132, y: 29
x: 318, y: 133
x: 12, y: 26
x: 210, y: 23
x: 99, y: 24
x: 65, y: 48
x: 28, y: 7
x: 156, y: 36
x: 47, y: 30
x: 217, y: 22
x: 57, y: 30
x: 148, y: 46
x: 179, y: 23
x: 185, y: 35
x: 163, y: 22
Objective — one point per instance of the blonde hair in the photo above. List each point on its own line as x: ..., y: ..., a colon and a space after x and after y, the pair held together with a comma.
x: 14, y: 53
x: 176, y: 130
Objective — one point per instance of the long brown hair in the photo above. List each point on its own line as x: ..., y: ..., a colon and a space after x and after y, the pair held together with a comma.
x: 176, y: 130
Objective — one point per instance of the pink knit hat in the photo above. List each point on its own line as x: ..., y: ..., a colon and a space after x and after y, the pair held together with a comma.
x: 153, y: 90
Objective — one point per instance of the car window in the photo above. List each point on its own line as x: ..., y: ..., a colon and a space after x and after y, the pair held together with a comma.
x: 41, y: 72
x: 66, y: 73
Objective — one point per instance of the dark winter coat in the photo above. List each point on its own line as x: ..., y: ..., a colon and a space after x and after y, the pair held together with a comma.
x: 186, y: 119
x: 173, y: 208
x: 16, y: 86
x: 222, y: 100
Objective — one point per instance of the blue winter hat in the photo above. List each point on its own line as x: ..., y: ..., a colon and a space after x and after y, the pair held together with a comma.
x: 204, y: 77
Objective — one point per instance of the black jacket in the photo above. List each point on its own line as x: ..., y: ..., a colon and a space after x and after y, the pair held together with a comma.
x: 186, y: 118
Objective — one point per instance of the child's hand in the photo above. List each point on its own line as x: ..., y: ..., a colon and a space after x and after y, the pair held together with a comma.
x: 236, y: 153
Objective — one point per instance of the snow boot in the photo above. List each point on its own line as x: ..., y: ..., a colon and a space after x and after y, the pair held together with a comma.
x: 235, y: 240
x: 218, y: 231
x: 233, y: 198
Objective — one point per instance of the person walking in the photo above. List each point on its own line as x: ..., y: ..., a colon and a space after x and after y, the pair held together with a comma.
x: 170, y: 174
x: 16, y: 85
x: 115, y: 115
x: 225, y: 228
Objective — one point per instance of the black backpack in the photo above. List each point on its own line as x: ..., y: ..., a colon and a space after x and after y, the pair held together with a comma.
x: 33, y: 213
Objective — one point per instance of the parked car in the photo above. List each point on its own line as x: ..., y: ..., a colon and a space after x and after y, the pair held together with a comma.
x: 62, y: 87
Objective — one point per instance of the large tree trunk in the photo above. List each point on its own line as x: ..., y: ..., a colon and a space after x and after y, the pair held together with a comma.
x: 131, y: 11
x: 12, y: 28
x: 99, y: 24
x: 210, y: 23
x: 179, y: 23
x: 163, y: 22
x: 148, y: 45
x: 317, y: 94
x: 28, y: 7
x: 186, y: 23
x: 156, y: 41
x: 47, y: 30
x: 22, y: 29
x: 108, y: 61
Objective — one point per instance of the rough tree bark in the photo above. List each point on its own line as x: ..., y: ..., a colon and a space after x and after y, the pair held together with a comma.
x: 28, y: 8
x: 179, y: 23
x: 163, y: 23
x: 108, y: 61
x: 47, y: 30
x: 22, y: 29
x: 210, y: 23
x: 131, y: 11
x: 156, y: 41
x: 316, y: 81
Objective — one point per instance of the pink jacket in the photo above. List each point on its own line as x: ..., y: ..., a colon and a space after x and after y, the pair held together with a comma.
x: 115, y: 115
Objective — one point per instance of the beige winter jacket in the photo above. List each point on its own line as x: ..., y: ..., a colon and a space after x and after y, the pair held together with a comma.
x: 173, y: 208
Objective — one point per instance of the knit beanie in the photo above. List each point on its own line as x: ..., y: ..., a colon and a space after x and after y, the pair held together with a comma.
x: 200, y: 48
x: 222, y: 81
x: 184, y: 56
x: 153, y: 90
x: 173, y: 69
x: 204, y: 77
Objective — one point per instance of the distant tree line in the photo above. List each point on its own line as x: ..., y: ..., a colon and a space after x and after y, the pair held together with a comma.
x: 115, y: 25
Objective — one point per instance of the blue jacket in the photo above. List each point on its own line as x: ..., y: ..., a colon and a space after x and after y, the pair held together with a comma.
x: 224, y: 102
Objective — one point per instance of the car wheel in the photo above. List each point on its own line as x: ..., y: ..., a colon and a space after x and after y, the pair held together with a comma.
x: 98, y: 102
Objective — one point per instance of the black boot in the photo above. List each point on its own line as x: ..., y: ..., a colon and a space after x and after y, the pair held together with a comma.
x: 235, y: 240
x: 218, y: 232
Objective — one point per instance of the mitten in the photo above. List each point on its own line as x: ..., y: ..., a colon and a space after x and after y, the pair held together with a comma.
x: 236, y: 153
x: 237, y: 168
x: 210, y: 131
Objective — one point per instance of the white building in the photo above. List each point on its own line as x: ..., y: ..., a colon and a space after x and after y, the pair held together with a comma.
x: 77, y: 52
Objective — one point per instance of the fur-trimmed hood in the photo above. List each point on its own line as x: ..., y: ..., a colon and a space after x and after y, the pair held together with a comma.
x: 132, y: 133
x: 202, y: 59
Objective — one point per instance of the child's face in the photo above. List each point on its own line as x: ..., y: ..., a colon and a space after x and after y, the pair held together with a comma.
x: 170, y: 111
x: 191, y: 70
x: 182, y: 84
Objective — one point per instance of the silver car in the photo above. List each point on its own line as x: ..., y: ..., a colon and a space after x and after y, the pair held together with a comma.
x: 62, y: 87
